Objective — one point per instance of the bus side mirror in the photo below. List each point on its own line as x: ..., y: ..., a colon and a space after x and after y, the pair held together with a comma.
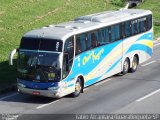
x: 11, y: 55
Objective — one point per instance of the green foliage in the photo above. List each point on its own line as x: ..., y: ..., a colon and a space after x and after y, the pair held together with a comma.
x: 19, y: 16
x: 153, y: 5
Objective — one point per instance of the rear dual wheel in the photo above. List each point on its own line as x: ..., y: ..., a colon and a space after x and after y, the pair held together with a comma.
x: 134, y: 64
x: 126, y: 65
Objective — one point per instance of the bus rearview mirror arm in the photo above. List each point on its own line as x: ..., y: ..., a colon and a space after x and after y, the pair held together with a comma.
x: 11, y: 55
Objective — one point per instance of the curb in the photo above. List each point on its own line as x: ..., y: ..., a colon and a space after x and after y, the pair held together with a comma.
x: 156, y: 40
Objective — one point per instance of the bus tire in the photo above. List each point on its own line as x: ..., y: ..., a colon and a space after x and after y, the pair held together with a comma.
x: 78, y: 88
x: 134, y: 64
x: 126, y: 66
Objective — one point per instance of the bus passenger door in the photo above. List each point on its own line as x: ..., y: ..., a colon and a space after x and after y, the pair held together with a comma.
x: 68, y: 57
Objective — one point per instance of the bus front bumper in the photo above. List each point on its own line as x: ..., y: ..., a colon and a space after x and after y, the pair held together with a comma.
x: 45, y: 93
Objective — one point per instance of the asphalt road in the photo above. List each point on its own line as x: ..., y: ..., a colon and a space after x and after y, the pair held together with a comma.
x: 137, y: 92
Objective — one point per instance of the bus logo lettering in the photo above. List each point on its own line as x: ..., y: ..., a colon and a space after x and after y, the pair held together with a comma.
x: 92, y: 56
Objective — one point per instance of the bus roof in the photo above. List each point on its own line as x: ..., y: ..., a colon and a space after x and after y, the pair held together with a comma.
x: 86, y: 23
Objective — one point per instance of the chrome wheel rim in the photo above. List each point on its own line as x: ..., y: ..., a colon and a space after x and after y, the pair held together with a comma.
x: 78, y: 87
x: 134, y: 64
x: 125, y: 66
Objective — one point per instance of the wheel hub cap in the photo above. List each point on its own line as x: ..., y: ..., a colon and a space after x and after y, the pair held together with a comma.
x: 78, y: 87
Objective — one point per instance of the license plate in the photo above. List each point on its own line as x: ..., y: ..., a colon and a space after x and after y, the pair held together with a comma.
x: 36, y: 93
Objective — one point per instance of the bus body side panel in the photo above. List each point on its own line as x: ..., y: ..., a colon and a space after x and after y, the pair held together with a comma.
x: 112, y: 60
x: 95, y: 64
x: 107, y: 60
x: 142, y: 45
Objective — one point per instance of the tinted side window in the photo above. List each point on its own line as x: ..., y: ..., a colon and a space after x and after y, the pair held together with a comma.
x: 143, y: 24
x: 104, y: 36
x: 115, y: 33
x: 69, y: 47
x: 88, y: 41
x: 82, y: 39
x: 149, y: 22
x: 80, y: 43
x: 135, y: 27
x: 94, y: 38
x: 127, y: 29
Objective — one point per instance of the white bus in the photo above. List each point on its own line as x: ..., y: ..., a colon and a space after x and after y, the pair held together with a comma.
x: 63, y: 59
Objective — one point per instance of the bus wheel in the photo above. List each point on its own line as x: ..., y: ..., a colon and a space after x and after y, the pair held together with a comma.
x: 125, y: 66
x: 134, y: 64
x: 78, y: 88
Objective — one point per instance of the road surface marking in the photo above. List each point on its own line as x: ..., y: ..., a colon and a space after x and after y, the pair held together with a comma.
x: 11, y: 117
x: 102, y: 82
x: 44, y: 105
x: 149, y: 95
x: 148, y: 63
x: 8, y: 96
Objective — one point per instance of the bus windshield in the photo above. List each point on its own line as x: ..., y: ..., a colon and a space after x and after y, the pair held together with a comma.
x: 43, y: 44
x: 39, y: 66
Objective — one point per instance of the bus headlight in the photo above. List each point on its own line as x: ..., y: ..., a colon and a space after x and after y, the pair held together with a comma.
x: 21, y: 85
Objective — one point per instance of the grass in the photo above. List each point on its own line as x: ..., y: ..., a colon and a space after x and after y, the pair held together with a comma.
x: 19, y: 16
x: 153, y: 5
